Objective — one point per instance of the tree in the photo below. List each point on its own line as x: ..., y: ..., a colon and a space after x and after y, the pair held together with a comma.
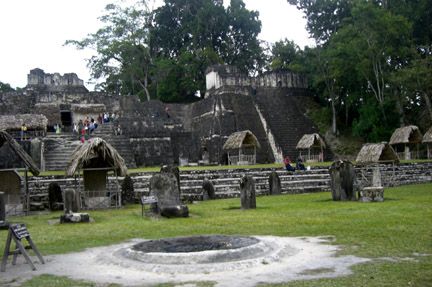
x: 195, y: 34
x: 123, y: 48
x: 243, y: 48
x: 4, y: 88
x: 284, y: 54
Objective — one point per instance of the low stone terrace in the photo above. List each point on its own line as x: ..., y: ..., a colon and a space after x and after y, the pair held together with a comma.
x: 227, y: 181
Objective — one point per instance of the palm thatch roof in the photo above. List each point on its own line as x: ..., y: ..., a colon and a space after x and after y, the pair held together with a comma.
x: 5, y: 137
x: 427, y: 138
x: 96, y: 148
x: 311, y: 141
x: 32, y: 121
x: 404, y: 135
x: 241, y: 139
x: 376, y: 152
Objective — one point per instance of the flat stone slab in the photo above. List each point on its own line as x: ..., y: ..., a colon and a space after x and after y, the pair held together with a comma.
x: 372, y: 194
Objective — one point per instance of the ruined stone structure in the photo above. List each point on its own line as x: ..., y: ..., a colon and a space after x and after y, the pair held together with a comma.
x: 271, y: 106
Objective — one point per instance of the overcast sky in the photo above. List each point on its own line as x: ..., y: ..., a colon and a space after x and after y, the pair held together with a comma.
x: 33, y: 33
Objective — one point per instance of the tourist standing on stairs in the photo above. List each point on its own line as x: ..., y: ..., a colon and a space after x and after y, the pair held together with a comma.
x: 57, y: 128
x: 23, y: 132
x: 75, y: 129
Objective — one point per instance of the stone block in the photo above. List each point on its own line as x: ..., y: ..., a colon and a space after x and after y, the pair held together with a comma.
x: 208, y: 191
x: 175, y: 211
x: 247, y: 192
x: 274, y: 183
x: 74, y: 218
x: 342, y: 177
x: 372, y: 194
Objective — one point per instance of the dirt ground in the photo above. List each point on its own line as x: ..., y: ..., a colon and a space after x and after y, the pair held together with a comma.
x: 298, y: 258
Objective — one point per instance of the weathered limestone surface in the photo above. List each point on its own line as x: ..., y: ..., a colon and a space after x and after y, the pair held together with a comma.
x: 372, y: 194
x: 208, y: 190
x: 74, y: 218
x: 247, y: 191
x: 128, y: 194
x: 274, y: 184
x: 55, y: 197
x: 165, y: 187
x: 71, y: 201
x: 2, y: 208
x: 342, y: 176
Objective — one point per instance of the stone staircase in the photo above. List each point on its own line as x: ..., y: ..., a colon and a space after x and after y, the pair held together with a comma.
x: 59, y: 147
x: 120, y: 142
x: 285, y: 120
x: 57, y: 150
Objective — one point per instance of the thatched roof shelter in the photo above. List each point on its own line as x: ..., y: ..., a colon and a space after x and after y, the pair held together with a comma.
x: 32, y: 121
x: 427, y: 138
x: 377, y: 152
x: 311, y: 141
x: 406, y: 135
x: 93, y: 149
x: 28, y: 162
x: 245, y: 139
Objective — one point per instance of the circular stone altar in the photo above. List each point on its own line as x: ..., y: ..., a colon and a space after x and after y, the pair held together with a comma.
x: 206, y: 253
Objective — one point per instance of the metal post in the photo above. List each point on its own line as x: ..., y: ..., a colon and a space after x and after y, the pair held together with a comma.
x: 27, y: 192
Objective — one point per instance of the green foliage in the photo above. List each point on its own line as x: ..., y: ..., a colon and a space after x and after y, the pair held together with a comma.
x: 123, y: 49
x: 4, y: 88
x: 369, y: 56
x: 284, y: 55
x: 376, y: 123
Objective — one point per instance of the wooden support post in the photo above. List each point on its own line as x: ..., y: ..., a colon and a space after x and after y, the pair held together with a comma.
x: 16, y: 233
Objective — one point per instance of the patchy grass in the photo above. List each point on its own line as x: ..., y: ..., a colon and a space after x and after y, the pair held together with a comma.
x: 398, y: 228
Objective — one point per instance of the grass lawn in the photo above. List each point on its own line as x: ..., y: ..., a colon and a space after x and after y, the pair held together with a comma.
x: 398, y: 228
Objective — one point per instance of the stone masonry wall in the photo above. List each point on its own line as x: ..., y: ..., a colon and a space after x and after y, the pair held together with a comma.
x: 227, y: 181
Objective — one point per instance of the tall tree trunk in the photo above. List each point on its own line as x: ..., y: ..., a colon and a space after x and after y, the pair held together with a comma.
x: 399, y: 108
x: 334, y: 127
x: 428, y: 105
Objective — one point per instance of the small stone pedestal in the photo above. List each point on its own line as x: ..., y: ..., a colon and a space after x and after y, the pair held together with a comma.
x: 372, y: 194
x: 74, y: 218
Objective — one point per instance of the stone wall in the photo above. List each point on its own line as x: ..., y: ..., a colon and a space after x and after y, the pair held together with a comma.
x: 38, y: 79
x: 226, y: 182
x: 221, y: 79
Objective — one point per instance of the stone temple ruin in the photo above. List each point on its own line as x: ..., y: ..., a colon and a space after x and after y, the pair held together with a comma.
x: 271, y: 106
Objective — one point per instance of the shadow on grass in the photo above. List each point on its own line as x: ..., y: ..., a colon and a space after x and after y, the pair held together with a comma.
x: 239, y: 208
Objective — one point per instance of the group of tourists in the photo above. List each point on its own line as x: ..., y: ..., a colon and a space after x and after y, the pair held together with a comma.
x: 299, y: 164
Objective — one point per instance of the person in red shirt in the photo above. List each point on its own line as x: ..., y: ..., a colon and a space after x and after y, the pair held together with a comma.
x: 288, y: 166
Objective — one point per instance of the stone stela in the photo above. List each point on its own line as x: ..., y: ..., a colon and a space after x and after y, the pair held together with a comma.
x: 17, y: 232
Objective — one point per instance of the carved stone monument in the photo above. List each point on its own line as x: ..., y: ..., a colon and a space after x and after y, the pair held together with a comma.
x: 175, y: 171
x: 342, y: 177
x: 208, y: 190
x: 165, y: 187
x: 55, y: 197
x: 128, y: 195
x: 71, y: 208
x: 3, y: 223
x: 274, y: 184
x: 247, y: 192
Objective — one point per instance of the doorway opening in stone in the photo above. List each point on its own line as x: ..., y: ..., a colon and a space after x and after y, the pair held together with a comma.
x: 66, y: 118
